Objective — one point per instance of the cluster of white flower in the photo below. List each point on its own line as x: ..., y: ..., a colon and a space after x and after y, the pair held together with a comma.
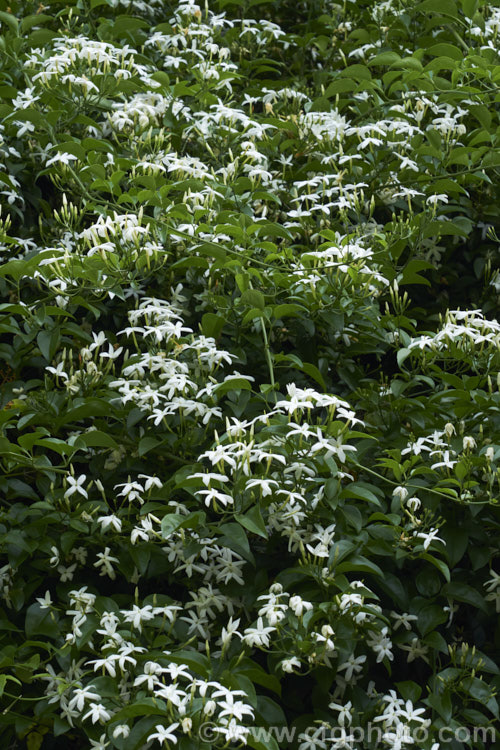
x: 175, y: 689
x: 77, y: 61
x: 465, y: 329
x: 224, y: 158
x: 164, y: 382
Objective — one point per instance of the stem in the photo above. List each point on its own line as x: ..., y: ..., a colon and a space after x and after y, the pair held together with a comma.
x: 267, y: 352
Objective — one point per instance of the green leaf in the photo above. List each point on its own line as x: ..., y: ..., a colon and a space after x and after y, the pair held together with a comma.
x: 265, y: 741
x: 410, y: 275
x: 38, y: 19
x: 356, y: 72
x: 10, y: 21
x: 97, y: 439
x: 314, y: 373
x: 147, y: 444
x: 90, y: 408
x: 409, y: 690
x: 481, y: 692
x: 359, y: 563
x: 402, y: 355
x: 40, y: 622
x: 170, y: 523
x: 444, y: 7
x: 124, y: 23
x: 457, y: 541
x: 146, y: 707
x: 253, y: 298
x: 34, y: 740
x: 193, y: 520
x: 48, y: 342
x: 212, y: 325
x: 436, y: 641
x: 233, y: 384
x: 482, y: 114
x: 340, y: 86
x: 429, y: 618
x: 442, y: 228
x: 463, y: 592
x: 441, y: 702
x: 270, y: 712
x: 384, y: 58
x: 259, y: 676
x: 362, y: 491
x: 443, y: 49
x: 439, y: 564
x: 253, y: 521
x: 288, y: 310
x: 235, y: 538
x: 470, y: 7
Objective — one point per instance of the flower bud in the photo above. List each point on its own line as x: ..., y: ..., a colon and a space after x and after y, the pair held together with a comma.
x: 400, y: 492
x: 449, y: 429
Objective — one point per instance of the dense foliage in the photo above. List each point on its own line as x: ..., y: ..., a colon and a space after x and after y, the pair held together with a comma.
x: 249, y: 358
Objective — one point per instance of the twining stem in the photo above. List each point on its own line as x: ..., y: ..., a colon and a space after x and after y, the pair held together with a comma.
x: 267, y: 352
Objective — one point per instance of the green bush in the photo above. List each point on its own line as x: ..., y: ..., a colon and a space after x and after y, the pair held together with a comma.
x: 250, y: 374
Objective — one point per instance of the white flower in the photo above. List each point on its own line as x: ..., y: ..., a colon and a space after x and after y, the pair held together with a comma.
x: 311, y: 740
x: 80, y: 695
x: 344, y: 714
x: 259, y: 636
x: 494, y: 581
x: 352, y: 666
x: 104, y: 562
x: 111, y: 520
x: 97, y: 713
x: 381, y: 644
x: 469, y: 443
x: 447, y: 461
x: 61, y: 158
x: 287, y: 665
x: 429, y: 536
x: 414, y: 504
x: 107, y: 663
x: 138, y: 615
x: 121, y: 730
x: 401, y: 493
x: 299, y: 606
x: 494, y: 597
x: 231, y: 708
x: 490, y: 453
x: 433, y: 199
x: 403, y: 619
x: 58, y: 371
x: 228, y: 632
x: 66, y: 572
x: 46, y: 601
x: 99, y: 744
x: 210, y: 708
x: 164, y: 735
x: 416, y: 650
x: 413, y: 714
x: 131, y: 490
x: 150, y: 482
x: 75, y: 485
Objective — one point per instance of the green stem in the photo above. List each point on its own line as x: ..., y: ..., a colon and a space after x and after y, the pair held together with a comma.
x: 267, y: 352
